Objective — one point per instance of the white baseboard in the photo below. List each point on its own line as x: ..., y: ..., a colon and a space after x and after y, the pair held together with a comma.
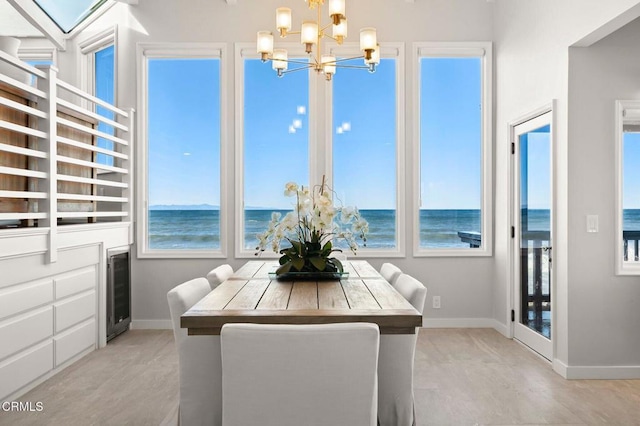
x: 460, y: 323
x: 151, y: 324
x: 597, y: 372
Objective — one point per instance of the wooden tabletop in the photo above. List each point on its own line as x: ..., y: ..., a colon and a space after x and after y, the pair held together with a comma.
x: 251, y: 296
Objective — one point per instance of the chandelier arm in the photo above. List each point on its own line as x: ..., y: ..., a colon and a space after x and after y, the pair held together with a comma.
x: 348, y: 59
x: 295, y: 61
x: 289, y: 71
x: 362, y: 67
x: 323, y: 29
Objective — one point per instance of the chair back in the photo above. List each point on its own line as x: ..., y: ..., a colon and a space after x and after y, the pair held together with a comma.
x: 219, y: 274
x: 291, y: 375
x: 396, y: 359
x: 390, y: 272
x: 412, y: 290
x: 199, y: 360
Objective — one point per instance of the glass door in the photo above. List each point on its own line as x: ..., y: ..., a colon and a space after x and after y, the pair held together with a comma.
x: 532, y: 233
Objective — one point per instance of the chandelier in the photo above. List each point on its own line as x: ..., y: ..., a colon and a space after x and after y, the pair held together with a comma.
x: 312, y: 33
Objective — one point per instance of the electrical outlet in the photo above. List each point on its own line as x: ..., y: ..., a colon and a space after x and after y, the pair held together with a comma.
x: 436, y: 302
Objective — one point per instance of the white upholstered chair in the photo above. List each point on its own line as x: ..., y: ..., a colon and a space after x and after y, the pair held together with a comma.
x: 292, y: 375
x: 199, y: 361
x: 390, y: 272
x: 219, y: 274
x: 395, y: 365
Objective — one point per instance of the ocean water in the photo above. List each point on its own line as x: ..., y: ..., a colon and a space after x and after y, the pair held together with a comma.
x: 184, y: 229
x: 199, y: 229
x: 439, y: 228
x: 631, y: 220
x: 381, y: 227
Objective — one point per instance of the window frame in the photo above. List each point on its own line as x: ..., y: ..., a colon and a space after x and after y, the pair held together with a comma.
x: 32, y: 53
x: 146, y: 51
x: 86, y: 66
x: 248, y: 51
x: 484, y: 51
x: 622, y: 108
x: 89, y: 47
x: 389, y: 50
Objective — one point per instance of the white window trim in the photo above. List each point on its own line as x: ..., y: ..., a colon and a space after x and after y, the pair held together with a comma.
x: 177, y: 50
x: 38, y: 54
x: 457, y: 49
x: 387, y: 50
x: 626, y: 111
x: 86, y: 66
x: 248, y: 51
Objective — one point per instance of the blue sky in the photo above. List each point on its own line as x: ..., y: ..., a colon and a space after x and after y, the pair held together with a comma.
x: 538, y: 161
x: 66, y: 12
x: 450, y: 121
x: 184, y: 133
x: 631, y: 178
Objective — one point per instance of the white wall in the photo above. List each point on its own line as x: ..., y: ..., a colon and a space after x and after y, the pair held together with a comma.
x: 466, y: 292
x: 604, y: 314
x: 532, y: 68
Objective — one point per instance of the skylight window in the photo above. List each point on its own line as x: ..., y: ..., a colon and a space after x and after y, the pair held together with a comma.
x: 67, y: 14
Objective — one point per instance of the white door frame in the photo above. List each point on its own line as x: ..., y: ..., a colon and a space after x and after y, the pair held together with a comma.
x: 511, y: 269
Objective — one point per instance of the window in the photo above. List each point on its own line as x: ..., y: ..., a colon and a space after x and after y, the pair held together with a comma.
x: 69, y: 14
x: 104, y: 88
x: 274, y: 132
x: 366, y: 131
x: 628, y: 188
x: 454, y: 152
x: 98, y: 77
x: 182, y: 153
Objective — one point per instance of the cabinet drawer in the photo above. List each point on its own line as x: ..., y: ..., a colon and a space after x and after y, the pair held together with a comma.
x: 75, y: 282
x: 74, y: 341
x: 20, y: 333
x: 25, y: 368
x: 73, y: 311
x: 25, y: 297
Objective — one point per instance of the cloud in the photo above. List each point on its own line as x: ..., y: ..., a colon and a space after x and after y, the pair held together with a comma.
x: 344, y: 127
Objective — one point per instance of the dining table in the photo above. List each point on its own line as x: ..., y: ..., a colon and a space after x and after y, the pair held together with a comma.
x: 254, y: 294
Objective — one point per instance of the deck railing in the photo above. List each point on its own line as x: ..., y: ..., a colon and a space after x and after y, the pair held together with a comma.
x: 632, y: 237
x: 49, y: 173
x: 534, y: 251
x: 474, y: 239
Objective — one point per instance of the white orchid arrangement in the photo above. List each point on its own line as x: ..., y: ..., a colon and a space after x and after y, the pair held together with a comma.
x: 311, y: 228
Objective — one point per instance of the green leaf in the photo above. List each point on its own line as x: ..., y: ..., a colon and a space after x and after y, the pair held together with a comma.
x: 326, y: 250
x: 338, y: 265
x: 298, y: 263
x: 319, y: 263
x: 284, y: 268
x: 297, y: 246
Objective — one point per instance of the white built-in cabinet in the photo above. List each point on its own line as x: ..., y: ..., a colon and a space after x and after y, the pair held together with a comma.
x: 48, y: 315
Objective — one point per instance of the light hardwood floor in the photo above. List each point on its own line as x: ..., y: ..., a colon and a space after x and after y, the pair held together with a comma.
x: 462, y: 377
